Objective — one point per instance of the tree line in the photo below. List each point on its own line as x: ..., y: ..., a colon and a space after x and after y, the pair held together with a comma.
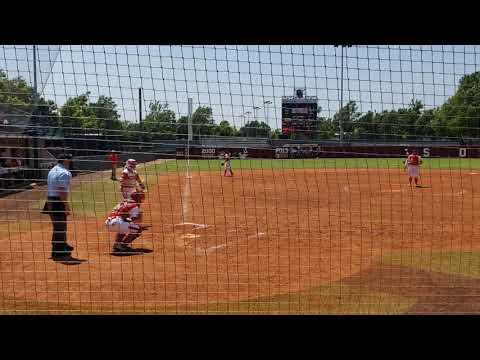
x: 459, y: 116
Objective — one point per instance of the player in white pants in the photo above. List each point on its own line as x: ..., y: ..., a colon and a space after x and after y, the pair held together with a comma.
x: 412, y: 165
x: 227, y: 165
x: 130, y: 179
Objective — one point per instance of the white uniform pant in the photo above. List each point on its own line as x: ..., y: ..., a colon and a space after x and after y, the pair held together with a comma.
x: 127, y: 192
x: 120, y: 226
x: 413, y: 170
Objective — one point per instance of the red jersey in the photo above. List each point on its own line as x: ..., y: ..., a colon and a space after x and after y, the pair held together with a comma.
x: 413, y: 159
x: 125, y: 209
x: 113, y: 158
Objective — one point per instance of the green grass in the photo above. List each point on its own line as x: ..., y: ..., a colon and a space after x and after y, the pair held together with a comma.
x: 95, y: 198
x: 12, y: 228
x: 91, y: 198
x: 455, y: 263
x: 98, y: 197
x: 326, y: 163
x: 326, y: 299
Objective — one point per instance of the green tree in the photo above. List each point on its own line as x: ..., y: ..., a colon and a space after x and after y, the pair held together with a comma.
x: 79, y: 113
x: 132, y: 132
x: 16, y: 92
x: 224, y: 129
x: 255, y: 129
x: 276, y: 133
x: 325, y: 129
x: 159, y: 122
x: 18, y: 95
x: 202, y: 123
x: 348, y: 114
x: 106, y: 114
x: 76, y: 114
x: 460, y: 114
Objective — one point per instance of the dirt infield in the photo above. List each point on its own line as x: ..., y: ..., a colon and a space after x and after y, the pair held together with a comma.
x: 262, y: 233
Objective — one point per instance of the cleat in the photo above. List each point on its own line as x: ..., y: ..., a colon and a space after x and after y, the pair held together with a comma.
x: 123, y: 250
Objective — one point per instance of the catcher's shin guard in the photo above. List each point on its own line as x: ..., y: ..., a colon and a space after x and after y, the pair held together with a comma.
x: 119, y: 238
x: 130, y: 237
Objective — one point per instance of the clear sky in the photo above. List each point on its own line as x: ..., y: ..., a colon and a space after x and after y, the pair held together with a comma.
x: 233, y: 79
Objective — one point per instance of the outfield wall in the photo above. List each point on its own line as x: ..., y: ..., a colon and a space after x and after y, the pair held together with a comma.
x: 305, y: 151
x: 101, y: 162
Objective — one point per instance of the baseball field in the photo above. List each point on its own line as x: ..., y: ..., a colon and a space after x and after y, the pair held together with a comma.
x: 316, y: 236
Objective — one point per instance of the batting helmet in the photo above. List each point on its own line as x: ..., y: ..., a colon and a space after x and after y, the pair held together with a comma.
x: 131, y: 164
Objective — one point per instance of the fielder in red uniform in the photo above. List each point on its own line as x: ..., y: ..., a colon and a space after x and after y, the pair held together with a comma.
x: 130, y: 179
x: 121, y: 220
x: 412, y: 165
x: 113, y: 158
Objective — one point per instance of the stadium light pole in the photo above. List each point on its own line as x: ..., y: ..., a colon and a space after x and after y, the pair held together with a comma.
x: 140, y: 120
x: 247, y: 113
x: 266, y: 108
x: 255, y: 108
x: 242, y: 120
x: 340, y: 120
x: 36, y: 163
x: 190, y: 134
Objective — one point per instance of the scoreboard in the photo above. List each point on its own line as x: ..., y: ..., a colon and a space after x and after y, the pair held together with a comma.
x: 299, y: 114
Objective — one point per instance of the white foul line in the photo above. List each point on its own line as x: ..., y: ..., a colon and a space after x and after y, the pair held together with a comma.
x: 186, y: 199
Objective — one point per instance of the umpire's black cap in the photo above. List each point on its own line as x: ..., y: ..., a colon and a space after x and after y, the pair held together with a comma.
x: 64, y: 156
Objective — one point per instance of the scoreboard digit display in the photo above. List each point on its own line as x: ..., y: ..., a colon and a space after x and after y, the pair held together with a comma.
x: 299, y: 114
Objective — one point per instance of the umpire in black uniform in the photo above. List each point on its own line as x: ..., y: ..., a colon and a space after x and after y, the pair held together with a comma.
x: 57, y: 206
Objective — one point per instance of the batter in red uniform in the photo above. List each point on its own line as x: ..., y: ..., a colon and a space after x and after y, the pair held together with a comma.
x: 130, y: 179
x: 412, y: 165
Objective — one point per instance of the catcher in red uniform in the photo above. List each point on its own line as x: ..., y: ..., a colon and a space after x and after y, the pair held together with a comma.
x: 130, y: 179
x: 122, y: 221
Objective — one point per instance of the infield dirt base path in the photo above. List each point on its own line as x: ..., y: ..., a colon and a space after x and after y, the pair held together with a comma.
x: 259, y: 234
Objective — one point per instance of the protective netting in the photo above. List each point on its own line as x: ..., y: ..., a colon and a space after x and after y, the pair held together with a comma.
x: 282, y: 188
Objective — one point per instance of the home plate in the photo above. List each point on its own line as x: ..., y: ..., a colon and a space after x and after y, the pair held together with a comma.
x: 473, y: 173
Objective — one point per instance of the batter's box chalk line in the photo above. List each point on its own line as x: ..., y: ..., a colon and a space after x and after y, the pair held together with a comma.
x: 392, y: 191
x: 473, y: 173
x: 210, y: 249
x: 189, y: 236
x: 257, y: 235
x: 463, y: 192
x: 195, y: 225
